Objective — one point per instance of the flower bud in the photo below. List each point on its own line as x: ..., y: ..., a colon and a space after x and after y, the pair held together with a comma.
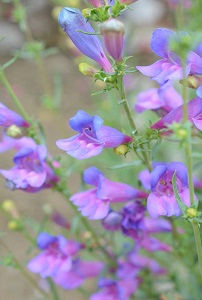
x: 192, y: 81
x: 95, y: 3
x: 15, y: 225
x: 14, y: 131
x: 113, y: 32
x: 121, y: 150
x: 191, y: 212
x: 8, y: 206
x: 87, y: 69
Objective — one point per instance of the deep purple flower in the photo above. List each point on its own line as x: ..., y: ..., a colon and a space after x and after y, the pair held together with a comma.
x: 116, y: 289
x: 94, y: 203
x: 194, y: 108
x: 72, y: 22
x: 9, y: 117
x: 31, y: 171
x: 162, y: 100
x: 162, y: 201
x: 93, y: 137
x: 169, y: 67
x: 80, y: 271
x: 56, y: 255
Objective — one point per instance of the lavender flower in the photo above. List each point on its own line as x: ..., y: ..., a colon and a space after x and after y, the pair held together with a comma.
x: 194, y: 108
x: 80, y: 271
x: 72, y: 22
x: 95, y: 3
x: 162, y: 100
x: 120, y: 289
x: 8, y: 117
x: 94, y: 203
x: 93, y: 137
x: 31, y: 171
x: 162, y: 201
x: 169, y: 67
x: 56, y: 255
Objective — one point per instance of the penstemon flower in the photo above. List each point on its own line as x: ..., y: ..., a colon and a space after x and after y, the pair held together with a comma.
x: 93, y: 137
x: 72, y: 22
x: 169, y: 67
x: 94, y: 203
x: 161, y: 100
x: 162, y: 201
x: 8, y: 117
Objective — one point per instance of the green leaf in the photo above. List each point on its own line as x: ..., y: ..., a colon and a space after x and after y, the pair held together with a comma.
x: 182, y: 206
x: 11, y: 61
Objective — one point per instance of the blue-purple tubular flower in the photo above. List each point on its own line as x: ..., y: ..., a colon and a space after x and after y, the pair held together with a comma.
x: 93, y: 137
x: 162, y: 201
x: 8, y: 117
x: 94, y: 203
x: 169, y: 67
x: 194, y: 109
x: 72, y: 22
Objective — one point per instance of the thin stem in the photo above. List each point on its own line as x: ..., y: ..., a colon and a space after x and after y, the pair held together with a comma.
x: 124, y: 102
x: 13, y: 96
x: 23, y: 272
x: 198, y: 244
x: 53, y: 289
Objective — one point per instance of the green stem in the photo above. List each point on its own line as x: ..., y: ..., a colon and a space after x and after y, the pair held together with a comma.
x: 16, y: 101
x: 198, y: 244
x: 124, y: 102
x: 53, y: 289
x: 23, y: 272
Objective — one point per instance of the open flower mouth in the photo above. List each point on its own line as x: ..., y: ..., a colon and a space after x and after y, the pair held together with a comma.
x: 89, y: 133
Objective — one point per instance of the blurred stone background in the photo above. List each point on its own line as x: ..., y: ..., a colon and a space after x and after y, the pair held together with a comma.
x: 60, y: 68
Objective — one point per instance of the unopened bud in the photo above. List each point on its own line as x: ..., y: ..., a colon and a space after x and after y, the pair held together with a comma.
x: 191, y: 212
x: 121, y: 150
x: 14, y: 131
x: 87, y: 69
x: 15, y: 225
x: 181, y: 133
x: 95, y: 3
x: 86, y: 12
x: 113, y: 32
x: 8, y: 206
x: 192, y: 81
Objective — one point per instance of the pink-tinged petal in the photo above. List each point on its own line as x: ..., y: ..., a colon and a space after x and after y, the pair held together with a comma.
x: 160, y: 41
x: 152, y: 244
x: 148, y: 100
x: 194, y: 109
x: 9, y: 117
x: 117, y: 191
x: 196, y: 63
x: 89, y: 268
x: 151, y: 225
x: 68, y: 280
x: 83, y: 198
x: 111, y: 137
x: 36, y: 179
x: 18, y: 177
x: 38, y: 264
x: 162, y: 206
x: 152, y: 70
x: 80, y: 148
x: 170, y: 97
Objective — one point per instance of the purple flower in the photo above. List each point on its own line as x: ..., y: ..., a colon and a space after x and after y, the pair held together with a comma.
x: 116, y: 289
x: 194, y: 108
x: 169, y: 67
x: 162, y: 100
x: 152, y: 244
x: 31, y: 171
x: 162, y: 201
x: 95, y: 3
x: 94, y: 203
x: 56, y: 255
x: 142, y: 262
x: 72, y: 22
x: 92, y: 137
x: 9, y: 117
x: 80, y: 271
